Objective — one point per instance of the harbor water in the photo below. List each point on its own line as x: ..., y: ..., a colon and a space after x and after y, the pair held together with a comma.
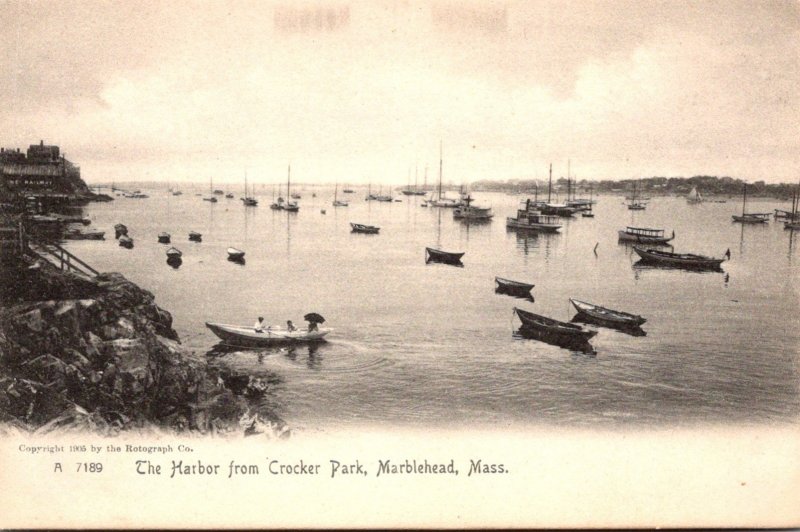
x: 432, y: 345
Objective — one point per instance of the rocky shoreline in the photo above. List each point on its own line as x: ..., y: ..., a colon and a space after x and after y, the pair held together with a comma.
x: 99, y: 355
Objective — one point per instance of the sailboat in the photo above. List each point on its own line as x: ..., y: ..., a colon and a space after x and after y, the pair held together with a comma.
x: 276, y: 205
x: 290, y: 206
x: 694, y: 197
x: 249, y: 201
x: 469, y: 213
x: 415, y: 192
x: 793, y: 221
x: 749, y: 218
x: 212, y: 198
x: 636, y: 204
x: 588, y: 213
x: 553, y: 209
x: 440, y: 200
x: 336, y: 201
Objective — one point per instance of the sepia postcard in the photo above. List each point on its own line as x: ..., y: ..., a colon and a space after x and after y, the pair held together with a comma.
x: 429, y: 264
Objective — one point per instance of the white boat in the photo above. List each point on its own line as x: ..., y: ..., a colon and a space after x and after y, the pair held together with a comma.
x: 239, y: 335
x: 336, y: 201
x: 694, y: 196
x: 174, y: 253
x: 750, y: 217
x: 530, y: 218
x: 469, y: 212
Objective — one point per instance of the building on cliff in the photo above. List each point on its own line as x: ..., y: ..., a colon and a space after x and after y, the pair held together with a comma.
x: 43, y: 170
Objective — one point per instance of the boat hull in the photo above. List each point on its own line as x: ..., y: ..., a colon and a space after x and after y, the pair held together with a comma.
x: 513, y: 288
x: 605, y: 316
x: 677, y: 260
x: 364, y: 229
x: 513, y: 223
x: 446, y: 257
x: 240, y: 336
x: 749, y: 219
x: 643, y: 239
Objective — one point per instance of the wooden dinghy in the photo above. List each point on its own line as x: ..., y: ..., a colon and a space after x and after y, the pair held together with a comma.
x: 366, y: 229
x: 553, y: 329
x: 238, y: 335
x: 174, y: 253
x: 512, y: 288
x: 235, y: 254
x: 164, y: 238
x: 447, y: 257
x: 603, y: 315
x: 194, y: 236
x: 685, y: 260
x: 126, y: 241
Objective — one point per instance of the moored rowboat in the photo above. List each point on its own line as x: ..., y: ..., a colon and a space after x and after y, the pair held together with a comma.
x: 366, y: 229
x: 513, y: 288
x: 555, y: 330
x: 239, y: 335
x: 687, y: 260
x: 235, y: 254
x: 174, y: 253
x: 437, y: 255
x: 614, y: 318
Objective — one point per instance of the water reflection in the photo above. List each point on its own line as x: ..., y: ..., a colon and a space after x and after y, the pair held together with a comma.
x: 174, y: 262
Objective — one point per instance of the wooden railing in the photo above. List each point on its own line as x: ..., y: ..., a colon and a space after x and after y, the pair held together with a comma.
x: 60, y: 257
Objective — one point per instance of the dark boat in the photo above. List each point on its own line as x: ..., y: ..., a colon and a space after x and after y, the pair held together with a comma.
x: 513, y: 288
x: 749, y: 217
x: 76, y: 234
x: 236, y: 255
x: 446, y: 257
x: 229, y: 195
x: 366, y: 229
x: 163, y: 238
x: 194, y: 236
x: 614, y: 318
x: 119, y: 230
x: 554, y: 332
x: 126, y: 241
x: 174, y: 253
x: 683, y: 260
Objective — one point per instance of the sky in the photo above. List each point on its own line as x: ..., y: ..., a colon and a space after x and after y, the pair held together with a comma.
x: 364, y: 91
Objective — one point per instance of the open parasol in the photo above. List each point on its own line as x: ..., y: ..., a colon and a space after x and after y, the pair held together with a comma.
x: 313, y: 317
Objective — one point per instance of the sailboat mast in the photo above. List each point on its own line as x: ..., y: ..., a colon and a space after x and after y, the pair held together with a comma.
x: 569, y: 183
x: 440, y: 170
x: 288, y: 182
x: 550, y: 183
x: 416, y: 173
x: 744, y: 198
